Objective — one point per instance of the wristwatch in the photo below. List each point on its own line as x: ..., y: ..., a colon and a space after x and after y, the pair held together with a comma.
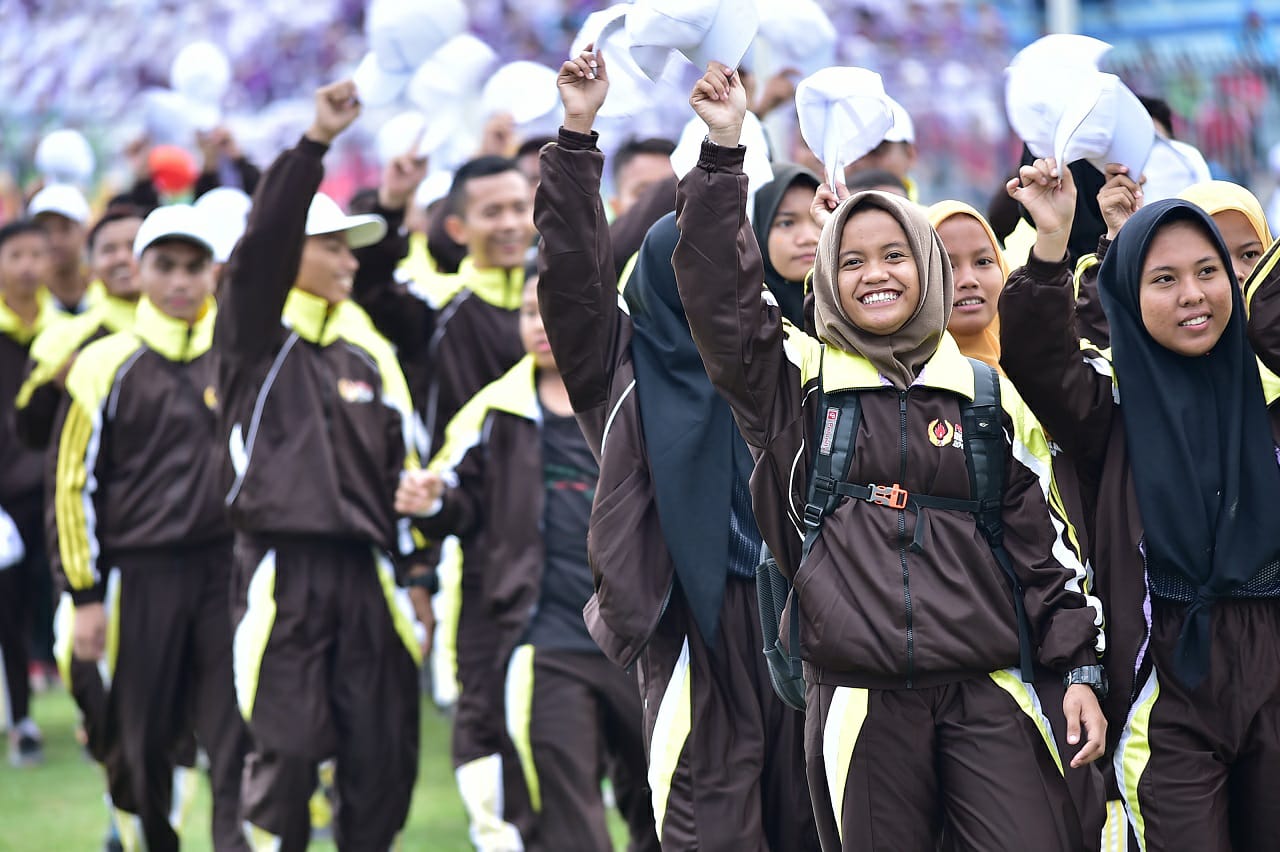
x: 1094, y: 677
x: 429, y: 581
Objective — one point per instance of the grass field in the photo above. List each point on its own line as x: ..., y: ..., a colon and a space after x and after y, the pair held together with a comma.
x: 58, y: 806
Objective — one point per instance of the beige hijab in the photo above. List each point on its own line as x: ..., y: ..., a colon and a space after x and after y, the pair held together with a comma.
x: 900, y: 355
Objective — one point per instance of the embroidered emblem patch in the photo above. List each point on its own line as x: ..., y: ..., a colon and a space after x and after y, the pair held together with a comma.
x: 941, y: 432
x: 354, y: 391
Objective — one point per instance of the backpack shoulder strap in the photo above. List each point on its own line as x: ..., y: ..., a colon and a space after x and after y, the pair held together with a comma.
x: 985, y: 455
x: 835, y: 432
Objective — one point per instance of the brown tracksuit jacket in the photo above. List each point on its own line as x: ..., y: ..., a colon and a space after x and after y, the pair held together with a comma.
x: 874, y: 613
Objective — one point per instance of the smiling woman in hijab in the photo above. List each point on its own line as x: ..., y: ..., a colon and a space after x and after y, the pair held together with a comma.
x: 1174, y: 436
x: 980, y: 270
x: 672, y: 541
x: 907, y: 624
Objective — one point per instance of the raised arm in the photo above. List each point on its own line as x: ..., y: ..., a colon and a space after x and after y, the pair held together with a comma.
x: 719, y: 269
x: 400, y: 314
x: 265, y: 263
x: 1119, y: 198
x: 1070, y: 390
x: 577, y: 287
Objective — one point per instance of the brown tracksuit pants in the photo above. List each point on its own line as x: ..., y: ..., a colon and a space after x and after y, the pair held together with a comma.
x: 726, y: 759
x: 478, y: 729
x: 890, y: 768
x: 172, y: 672
x: 570, y: 713
x: 1198, y: 768
x: 17, y: 583
x: 323, y: 670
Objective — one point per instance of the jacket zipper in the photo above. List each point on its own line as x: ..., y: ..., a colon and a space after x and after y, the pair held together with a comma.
x: 902, y: 539
x: 326, y: 394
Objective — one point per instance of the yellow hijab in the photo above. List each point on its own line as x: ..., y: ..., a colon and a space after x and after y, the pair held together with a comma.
x: 985, y: 345
x: 1219, y: 196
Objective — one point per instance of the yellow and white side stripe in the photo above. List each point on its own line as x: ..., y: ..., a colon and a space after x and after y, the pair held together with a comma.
x: 1010, y: 680
x: 1133, y: 754
x: 1115, y: 831
x: 447, y: 606
x: 670, y: 732
x: 519, y: 707
x: 480, y: 787
x: 845, y: 717
x: 249, y: 641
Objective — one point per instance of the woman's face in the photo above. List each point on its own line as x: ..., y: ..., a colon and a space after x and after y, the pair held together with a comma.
x: 976, y: 271
x: 1242, y: 241
x: 793, y: 235
x: 876, y: 274
x: 1185, y: 291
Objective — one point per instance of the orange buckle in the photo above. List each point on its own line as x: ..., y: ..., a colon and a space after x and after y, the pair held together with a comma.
x: 891, y: 496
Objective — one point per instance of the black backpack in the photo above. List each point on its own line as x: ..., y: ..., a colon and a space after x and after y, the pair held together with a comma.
x: 984, y: 450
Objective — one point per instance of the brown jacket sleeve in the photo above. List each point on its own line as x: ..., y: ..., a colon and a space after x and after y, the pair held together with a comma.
x: 720, y: 274
x: 577, y: 287
x: 1263, y: 294
x: 402, y: 317
x: 265, y: 263
x: 1070, y: 390
x: 1091, y: 320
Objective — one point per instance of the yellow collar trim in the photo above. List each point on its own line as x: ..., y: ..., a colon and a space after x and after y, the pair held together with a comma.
x: 12, y: 325
x: 947, y: 369
x: 172, y: 338
x: 502, y: 288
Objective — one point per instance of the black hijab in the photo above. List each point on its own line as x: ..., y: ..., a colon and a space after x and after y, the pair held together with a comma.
x: 1203, y: 458
x: 790, y: 294
x: 693, y: 445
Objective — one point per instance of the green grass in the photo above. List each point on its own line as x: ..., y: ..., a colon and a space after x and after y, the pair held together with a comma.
x: 58, y: 806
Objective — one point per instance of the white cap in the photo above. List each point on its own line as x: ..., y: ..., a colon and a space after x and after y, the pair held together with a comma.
x: 12, y: 550
x: 1172, y: 167
x: 630, y: 91
x: 375, y: 86
x: 1103, y: 122
x: 434, y: 188
x: 324, y: 216
x: 64, y: 156
x: 226, y: 211
x: 402, y: 34
x: 757, y: 167
x: 413, y: 132
x: 201, y: 73
x: 526, y: 90
x: 844, y: 113
x: 1062, y: 50
x: 176, y: 221
x: 454, y: 72
x: 793, y: 34
x: 61, y: 199
x: 702, y: 31
x: 903, y: 129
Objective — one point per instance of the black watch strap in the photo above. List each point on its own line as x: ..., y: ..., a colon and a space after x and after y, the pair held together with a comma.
x: 1094, y: 677
x: 428, y: 581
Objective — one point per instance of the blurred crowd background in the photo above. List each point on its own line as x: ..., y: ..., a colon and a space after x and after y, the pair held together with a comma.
x: 85, y: 63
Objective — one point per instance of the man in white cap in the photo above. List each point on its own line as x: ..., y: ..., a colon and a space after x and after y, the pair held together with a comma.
x: 25, y: 309
x: 63, y: 212
x: 319, y: 427
x: 144, y: 540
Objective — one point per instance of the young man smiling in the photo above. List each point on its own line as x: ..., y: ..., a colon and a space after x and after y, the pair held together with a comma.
x: 144, y: 541
x: 319, y: 426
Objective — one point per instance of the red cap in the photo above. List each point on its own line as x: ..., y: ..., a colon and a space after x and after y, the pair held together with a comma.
x: 173, y: 169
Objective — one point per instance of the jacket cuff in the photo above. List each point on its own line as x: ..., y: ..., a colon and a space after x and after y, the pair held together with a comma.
x: 1046, y: 271
x: 572, y: 140
x: 718, y: 158
x: 95, y: 594
x: 312, y: 148
x: 1103, y: 245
